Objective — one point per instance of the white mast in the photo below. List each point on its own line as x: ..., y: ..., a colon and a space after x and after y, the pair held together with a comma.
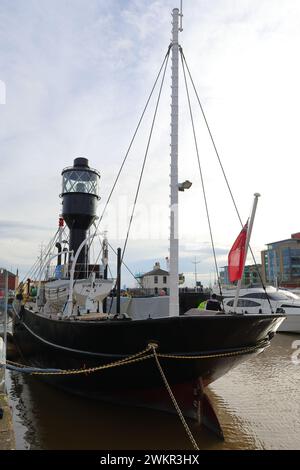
x: 174, y: 297
x: 249, y: 231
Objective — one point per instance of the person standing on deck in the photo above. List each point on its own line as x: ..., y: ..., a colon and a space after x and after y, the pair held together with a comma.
x: 213, y: 304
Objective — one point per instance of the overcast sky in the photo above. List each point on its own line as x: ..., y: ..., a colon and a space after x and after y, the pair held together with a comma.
x: 75, y: 75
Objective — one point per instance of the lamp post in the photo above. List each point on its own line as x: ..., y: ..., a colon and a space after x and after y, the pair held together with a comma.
x: 4, y: 272
x: 195, y: 263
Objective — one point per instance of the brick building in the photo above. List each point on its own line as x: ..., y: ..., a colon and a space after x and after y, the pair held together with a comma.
x: 13, y: 281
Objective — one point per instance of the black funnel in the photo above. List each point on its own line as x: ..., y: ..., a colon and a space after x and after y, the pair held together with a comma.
x: 80, y: 194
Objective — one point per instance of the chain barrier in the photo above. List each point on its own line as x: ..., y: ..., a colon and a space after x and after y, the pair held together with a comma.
x: 128, y: 360
x: 140, y: 356
x: 209, y: 356
x: 147, y: 353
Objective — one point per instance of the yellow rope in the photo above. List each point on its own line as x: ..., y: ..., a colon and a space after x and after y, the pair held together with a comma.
x: 187, y: 429
x: 140, y: 356
x: 94, y: 369
x: 128, y: 360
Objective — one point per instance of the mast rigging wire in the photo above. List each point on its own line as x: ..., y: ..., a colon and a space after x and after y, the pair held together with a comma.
x: 133, y: 138
x: 123, y: 262
x: 127, y: 153
x: 144, y: 162
x: 201, y: 177
x: 183, y: 60
x: 165, y: 64
x: 35, y: 268
x: 145, y: 156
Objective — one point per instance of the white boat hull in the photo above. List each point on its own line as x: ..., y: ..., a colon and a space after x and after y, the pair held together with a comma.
x: 57, y: 292
x: 291, y: 324
x: 254, y: 300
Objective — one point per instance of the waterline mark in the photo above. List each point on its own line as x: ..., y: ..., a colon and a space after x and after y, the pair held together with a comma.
x: 2, y: 92
x: 296, y: 354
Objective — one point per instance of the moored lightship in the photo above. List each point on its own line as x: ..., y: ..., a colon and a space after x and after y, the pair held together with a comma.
x: 113, y: 357
x: 66, y: 329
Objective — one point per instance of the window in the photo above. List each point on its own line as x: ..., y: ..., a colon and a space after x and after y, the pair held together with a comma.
x: 80, y: 181
x: 155, y: 279
x: 248, y: 303
x: 244, y: 303
x: 255, y: 295
x: 278, y: 296
x: 290, y: 306
x: 165, y: 279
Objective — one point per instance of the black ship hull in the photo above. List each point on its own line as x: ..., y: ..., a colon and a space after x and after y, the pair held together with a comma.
x: 193, y: 350
x: 220, y: 342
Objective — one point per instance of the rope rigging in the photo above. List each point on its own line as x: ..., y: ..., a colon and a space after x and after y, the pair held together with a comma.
x: 144, y: 160
x: 123, y: 262
x: 186, y: 74
x: 145, y: 156
x: 34, y: 270
x: 184, y: 64
x: 163, y: 66
x: 133, y: 138
x: 201, y: 177
x: 184, y: 67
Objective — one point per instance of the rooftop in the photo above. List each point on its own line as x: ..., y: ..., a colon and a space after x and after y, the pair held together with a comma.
x: 156, y: 272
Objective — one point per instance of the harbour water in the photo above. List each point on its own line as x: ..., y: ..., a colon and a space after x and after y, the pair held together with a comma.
x: 258, y: 405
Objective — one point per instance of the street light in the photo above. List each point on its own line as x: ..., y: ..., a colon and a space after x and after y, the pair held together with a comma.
x: 195, y: 263
x: 4, y: 273
x: 185, y: 185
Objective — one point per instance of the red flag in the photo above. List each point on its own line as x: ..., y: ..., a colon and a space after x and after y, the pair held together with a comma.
x: 236, y: 257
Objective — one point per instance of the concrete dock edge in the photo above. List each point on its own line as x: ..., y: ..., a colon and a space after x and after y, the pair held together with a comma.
x: 7, y: 435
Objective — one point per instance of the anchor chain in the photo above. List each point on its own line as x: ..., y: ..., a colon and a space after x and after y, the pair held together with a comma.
x: 147, y: 353
x: 140, y: 356
x: 154, y: 346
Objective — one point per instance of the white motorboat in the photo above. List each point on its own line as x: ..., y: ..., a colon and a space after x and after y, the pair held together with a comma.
x: 255, y: 300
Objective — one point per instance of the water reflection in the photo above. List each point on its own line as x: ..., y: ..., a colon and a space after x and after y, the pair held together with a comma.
x: 264, y: 393
x: 258, y: 405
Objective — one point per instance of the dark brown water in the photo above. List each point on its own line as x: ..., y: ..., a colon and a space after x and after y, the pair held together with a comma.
x: 258, y: 405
